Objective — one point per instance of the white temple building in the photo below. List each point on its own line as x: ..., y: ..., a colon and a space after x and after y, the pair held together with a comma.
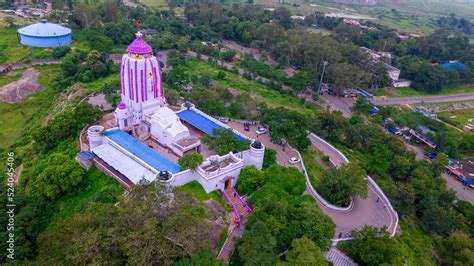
x: 145, y: 125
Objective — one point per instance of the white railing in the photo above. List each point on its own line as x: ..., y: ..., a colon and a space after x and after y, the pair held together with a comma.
x: 371, y: 183
x: 341, y: 155
x: 387, y: 203
x: 315, y: 193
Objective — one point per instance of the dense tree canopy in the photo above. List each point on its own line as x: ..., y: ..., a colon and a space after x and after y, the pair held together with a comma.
x: 191, y: 160
x: 338, y: 185
x: 281, y: 215
x: 224, y: 141
x: 371, y: 246
x: 144, y: 229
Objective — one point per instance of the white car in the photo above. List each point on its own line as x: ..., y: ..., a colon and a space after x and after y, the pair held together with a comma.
x: 261, y: 131
x: 293, y: 160
x: 223, y: 119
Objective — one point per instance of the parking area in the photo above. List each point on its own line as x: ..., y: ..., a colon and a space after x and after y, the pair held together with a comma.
x: 284, y: 152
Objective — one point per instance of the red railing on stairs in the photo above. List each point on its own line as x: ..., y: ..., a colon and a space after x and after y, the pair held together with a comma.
x: 241, y: 200
x: 236, y: 212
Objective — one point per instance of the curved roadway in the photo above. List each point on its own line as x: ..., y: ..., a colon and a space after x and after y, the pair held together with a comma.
x: 367, y: 211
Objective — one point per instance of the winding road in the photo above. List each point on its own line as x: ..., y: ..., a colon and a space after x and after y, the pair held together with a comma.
x: 375, y: 210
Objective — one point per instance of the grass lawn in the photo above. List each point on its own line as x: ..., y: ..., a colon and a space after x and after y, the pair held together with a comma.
x: 154, y: 3
x: 273, y: 98
x: 315, y: 170
x: 15, y: 118
x: 6, y: 79
x: 410, y: 92
x: 196, y: 189
x: 11, y: 50
x: 99, y: 188
x: 458, y: 118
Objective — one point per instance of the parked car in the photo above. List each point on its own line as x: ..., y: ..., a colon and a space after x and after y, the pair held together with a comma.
x: 294, y: 160
x: 223, y: 119
x: 261, y: 131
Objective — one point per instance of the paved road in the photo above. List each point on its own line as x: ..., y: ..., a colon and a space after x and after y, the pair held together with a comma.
x: 129, y: 3
x: 365, y: 211
x: 428, y: 99
x: 341, y: 104
x: 462, y: 192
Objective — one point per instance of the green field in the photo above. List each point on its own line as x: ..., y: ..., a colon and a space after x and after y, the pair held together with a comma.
x: 410, y: 92
x: 11, y: 50
x: 312, y: 158
x: 154, y: 3
x: 16, y: 117
x: 271, y: 97
x: 11, y: 77
x: 458, y: 118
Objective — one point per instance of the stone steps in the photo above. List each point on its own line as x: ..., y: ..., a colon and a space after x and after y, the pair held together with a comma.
x: 338, y: 258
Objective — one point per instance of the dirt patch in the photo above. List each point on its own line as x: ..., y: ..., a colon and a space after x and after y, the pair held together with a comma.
x: 100, y: 101
x: 19, y: 90
x: 215, y: 208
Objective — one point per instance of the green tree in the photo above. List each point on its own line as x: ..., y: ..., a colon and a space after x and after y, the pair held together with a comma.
x: 257, y: 247
x: 200, y: 259
x: 244, y: 106
x: 270, y: 157
x: 371, y: 246
x: 439, y: 163
x: 337, y: 185
x: 60, y: 176
x: 250, y: 178
x: 191, y: 160
x: 140, y: 230
x: 95, y: 64
x: 304, y: 252
x: 346, y: 76
x: 207, y: 100
x: 457, y: 249
x: 224, y: 141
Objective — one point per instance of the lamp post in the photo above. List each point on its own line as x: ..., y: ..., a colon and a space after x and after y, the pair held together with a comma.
x: 322, y: 76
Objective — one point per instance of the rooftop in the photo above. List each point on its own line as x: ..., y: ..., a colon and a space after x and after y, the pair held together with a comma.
x: 142, y: 151
x: 202, y: 123
x: 139, y: 46
x: 44, y: 29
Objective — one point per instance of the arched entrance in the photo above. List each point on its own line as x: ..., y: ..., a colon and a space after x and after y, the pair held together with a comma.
x: 228, y: 183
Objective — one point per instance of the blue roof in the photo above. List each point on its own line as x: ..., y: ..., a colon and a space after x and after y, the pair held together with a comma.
x: 85, y: 155
x: 455, y: 65
x: 142, y: 151
x: 202, y: 123
x: 44, y: 29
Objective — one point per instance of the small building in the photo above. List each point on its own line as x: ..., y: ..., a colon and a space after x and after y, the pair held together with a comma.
x: 44, y: 34
x: 399, y: 83
x: 468, y: 128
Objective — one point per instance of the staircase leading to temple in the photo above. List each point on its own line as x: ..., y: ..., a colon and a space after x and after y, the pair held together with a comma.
x: 228, y: 248
x: 338, y: 258
x: 241, y: 209
x: 241, y: 212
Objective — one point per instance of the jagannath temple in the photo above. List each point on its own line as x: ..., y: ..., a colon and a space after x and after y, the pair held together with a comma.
x: 147, y: 137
